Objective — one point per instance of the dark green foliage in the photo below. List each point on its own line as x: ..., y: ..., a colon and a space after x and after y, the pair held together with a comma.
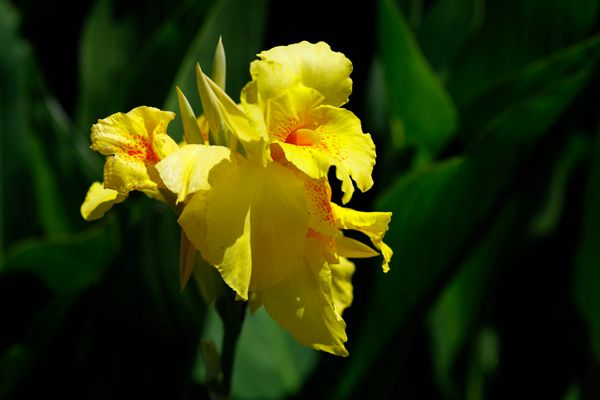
x: 486, y: 120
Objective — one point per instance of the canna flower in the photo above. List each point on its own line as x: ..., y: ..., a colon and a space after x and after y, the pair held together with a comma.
x: 299, y: 90
x: 133, y: 143
x: 251, y: 185
x: 257, y: 206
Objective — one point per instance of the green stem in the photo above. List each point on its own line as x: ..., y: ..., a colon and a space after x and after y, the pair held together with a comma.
x: 232, y: 313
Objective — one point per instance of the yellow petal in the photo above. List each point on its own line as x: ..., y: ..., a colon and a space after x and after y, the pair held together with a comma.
x: 204, y: 128
x: 348, y: 247
x: 233, y: 263
x: 163, y: 144
x: 341, y: 143
x: 219, y: 67
x: 156, y: 194
x: 124, y: 175
x: 341, y: 279
x: 313, y: 65
x: 319, y: 207
x: 221, y: 109
x: 292, y: 111
x: 251, y: 225
x: 134, y: 142
x: 98, y: 201
x: 372, y: 224
x: 303, y: 305
x: 187, y: 258
x: 279, y: 225
x: 187, y: 169
x: 131, y: 134
x: 193, y: 222
x: 209, y: 280
x: 191, y: 126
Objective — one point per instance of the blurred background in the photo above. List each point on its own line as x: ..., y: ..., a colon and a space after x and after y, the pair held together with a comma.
x: 486, y: 119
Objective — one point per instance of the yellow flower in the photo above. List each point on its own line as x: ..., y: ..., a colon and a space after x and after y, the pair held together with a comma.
x: 133, y: 143
x: 258, y: 205
x: 298, y: 90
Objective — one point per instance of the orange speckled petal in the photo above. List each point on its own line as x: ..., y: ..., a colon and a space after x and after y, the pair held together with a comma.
x: 342, y: 144
x: 319, y: 207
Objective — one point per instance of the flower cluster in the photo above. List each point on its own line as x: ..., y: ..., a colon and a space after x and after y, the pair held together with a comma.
x: 251, y: 184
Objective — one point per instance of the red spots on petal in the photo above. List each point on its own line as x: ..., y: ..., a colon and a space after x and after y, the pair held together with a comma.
x: 140, y: 149
x: 331, y: 145
x: 319, y: 195
x: 282, y: 129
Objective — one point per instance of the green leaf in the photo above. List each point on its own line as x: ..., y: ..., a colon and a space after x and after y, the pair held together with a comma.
x: 160, y: 53
x: 440, y: 212
x: 13, y: 158
x: 241, y: 25
x: 453, y: 319
x: 15, y: 363
x: 587, y: 267
x: 105, y: 54
x: 463, y: 18
x: 67, y: 265
x: 40, y: 157
x: 49, y: 205
x: 416, y: 96
x: 514, y: 34
x: 573, y: 393
x: 269, y: 363
x: 547, y: 217
x: 484, y: 361
x: 530, y: 79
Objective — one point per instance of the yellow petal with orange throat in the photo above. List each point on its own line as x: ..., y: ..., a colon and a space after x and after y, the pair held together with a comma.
x: 132, y: 133
x: 134, y: 142
x: 315, y: 139
x: 98, y: 201
x: 313, y: 65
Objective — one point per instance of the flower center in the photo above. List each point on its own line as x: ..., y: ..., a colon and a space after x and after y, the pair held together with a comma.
x: 303, y: 137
